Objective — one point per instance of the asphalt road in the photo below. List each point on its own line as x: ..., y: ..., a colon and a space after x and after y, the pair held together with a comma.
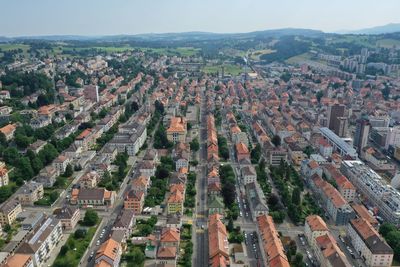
x: 200, y: 257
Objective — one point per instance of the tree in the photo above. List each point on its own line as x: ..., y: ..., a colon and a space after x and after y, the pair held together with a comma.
x: 22, y: 141
x: 3, y: 139
x: 68, y: 171
x: 11, y: 155
x: 194, y: 145
x: 298, y: 260
x: 91, y: 217
x: 308, y: 150
x: 386, y: 228
x: 25, y: 168
x: 296, y: 196
x: 276, y: 140
x: 319, y: 95
x: 80, y: 233
x: 229, y: 193
x: 159, y: 107
x: 255, y: 154
x: 53, y: 196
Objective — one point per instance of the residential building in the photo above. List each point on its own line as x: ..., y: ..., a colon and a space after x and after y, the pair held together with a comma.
x: 328, y: 252
x: 68, y: 216
x: 109, y: 254
x: 177, y: 130
x: 362, y: 212
x: 61, y: 163
x: 313, y: 228
x: 215, y: 205
x: 9, y: 211
x: 367, y: 242
x: 135, y: 201
x: 242, y: 151
x: 335, y: 122
x: 125, y: 222
x: 8, y: 131
x: 273, y: 251
x: 29, y: 193
x: 170, y: 237
x: 256, y: 198
x: 218, y: 245
x: 47, y: 176
x: 175, y: 202
x: 89, y: 180
x: 3, y: 174
x: 362, y: 133
x: 93, y: 197
x: 42, y: 241
x: 249, y: 174
x: 19, y: 260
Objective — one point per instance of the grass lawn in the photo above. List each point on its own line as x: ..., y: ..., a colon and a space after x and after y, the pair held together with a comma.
x: 180, y: 51
x: 49, y: 197
x: 228, y: 69
x: 8, y: 47
x: 298, y: 59
x: 258, y: 53
x: 73, y: 250
x: 388, y: 43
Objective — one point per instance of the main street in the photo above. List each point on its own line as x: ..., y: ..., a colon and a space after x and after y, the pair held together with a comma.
x: 200, y: 257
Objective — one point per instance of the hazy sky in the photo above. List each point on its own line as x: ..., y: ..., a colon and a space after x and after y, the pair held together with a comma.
x: 109, y: 17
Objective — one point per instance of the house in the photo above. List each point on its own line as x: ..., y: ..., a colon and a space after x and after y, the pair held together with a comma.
x: 93, y: 197
x: 249, y: 174
x: 37, y: 146
x: 141, y: 184
x: 256, y: 198
x: 147, y: 168
x: 19, y: 260
x: 42, y: 241
x: 328, y: 252
x: 9, y: 131
x: 314, y: 227
x: 218, y: 245
x: 216, y: 205
x: 40, y: 122
x: 271, y: 242
x: 110, y: 152
x: 125, y: 222
x: 47, y: 176
x: 309, y: 168
x: 362, y: 212
x: 366, y: 241
x: 30, y: 220
x: 174, y: 221
x: 3, y: 174
x: 109, y: 254
x: 29, y: 193
x: 135, y: 201
x: 61, y: 163
x: 181, y: 156
x: 86, y: 139
x: 242, y: 151
x: 89, y: 180
x: 177, y: 130
x: 166, y: 256
x: 170, y: 237
x: 175, y: 202
x: 9, y: 211
x: 345, y: 187
x: 151, y: 155
x: 68, y: 216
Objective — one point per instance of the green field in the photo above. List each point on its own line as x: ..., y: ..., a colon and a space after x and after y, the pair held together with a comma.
x: 228, y: 69
x: 179, y: 51
x: 8, y: 47
x: 298, y: 59
x: 388, y: 43
x: 258, y: 53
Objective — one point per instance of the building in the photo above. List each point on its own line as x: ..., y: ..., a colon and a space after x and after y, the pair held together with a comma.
x: 42, y: 241
x: 91, y: 92
x: 9, y: 211
x: 125, y: 222
x: 314, y: 227
x: 337, y: 121
x: 362, y: 212
x: 249, y: 174
x: 328, y: 252
x: 109, y: 254
x: 361, y: 135
x: 383, y: 197
x: 369, y: 244
x: 215, y: 205
x: 135, y: 201
x: 3, y: 174
x: 29, y: 193
x: 68, y: 216
x: 170, y: 237
x: 344, y: 186
x: 89, y: 180
x: 218, y: 245
x: 175, y: 202
x: 338, y: 143
x: 19, y: 260
x: 242, y: 152
x: 177, y: 130
x: 61, y: 163
x: 256, y: 198
x: 8, y: 131
x: 166, y: 256
x: 92, y: 197
x: 47, y: 176
x: 274, y: 253
x: 309, y: 168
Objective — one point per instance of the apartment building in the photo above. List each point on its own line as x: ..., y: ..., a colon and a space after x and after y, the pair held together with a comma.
x: 177, y: 130
x: 314, y: 227
x: 9, y: 211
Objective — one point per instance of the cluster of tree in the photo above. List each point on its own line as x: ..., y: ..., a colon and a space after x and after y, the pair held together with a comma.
x: 25, y: 135
x: 283, y: 176
x: 227, y: 176
x: 286, y: 48
x: 218, y: 117
x: 135, y: 256
x: 113, y: 181
x: 276, y: 140
x: 195, y: 145
x: 153, y: 122
x: 392, y: 236
x: 129, y: 68
x: 70, y: 79
x: 223, y: 150
x: 145, y: 227
x: 160, y: 138
x: 159, y: 182
x: 91, y: 217
x: 190, y: 195
x: 295, y: 258
x: 255, y: 154
x: 30, y: 82
x: 107, y: 136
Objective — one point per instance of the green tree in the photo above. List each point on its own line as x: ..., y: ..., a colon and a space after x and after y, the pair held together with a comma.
x: 11, y: 155
x: 276, y: 140
x: 296, y: 196
x: 194, y: 145
x: 91, y: 217
x: 68, y: 171
x: 25, y: 168
x: 3, y: 139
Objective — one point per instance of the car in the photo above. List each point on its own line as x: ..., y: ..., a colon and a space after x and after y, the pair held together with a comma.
x: 302, y: 241
x: 202, y: 227
x: 341, y: 238
x: 98, y: 242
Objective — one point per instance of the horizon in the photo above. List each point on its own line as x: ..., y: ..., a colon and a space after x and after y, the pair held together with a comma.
x: 25, y: 18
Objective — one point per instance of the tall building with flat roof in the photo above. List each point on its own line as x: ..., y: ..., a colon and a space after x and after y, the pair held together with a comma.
x: 361, y: 135
x: 337, y: 121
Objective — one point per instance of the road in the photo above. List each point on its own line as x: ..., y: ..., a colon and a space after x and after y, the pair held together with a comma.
x: 200, y: 256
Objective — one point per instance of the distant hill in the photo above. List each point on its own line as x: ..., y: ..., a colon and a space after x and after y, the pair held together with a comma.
x: 388, y: 28
x: 184, y: 36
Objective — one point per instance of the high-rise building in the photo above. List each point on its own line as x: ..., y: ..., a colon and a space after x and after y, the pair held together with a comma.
x: 361, y: 135
x: 337, y: 121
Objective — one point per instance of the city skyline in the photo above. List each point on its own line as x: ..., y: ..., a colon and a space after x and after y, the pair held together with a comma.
x: 94, y: 18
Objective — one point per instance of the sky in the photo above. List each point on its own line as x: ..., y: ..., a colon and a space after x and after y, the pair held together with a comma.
x: 112, y: 17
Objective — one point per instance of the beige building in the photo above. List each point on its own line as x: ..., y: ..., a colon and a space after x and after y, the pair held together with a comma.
x: 313, y: 228
x: 9, y: 212
x: 369, y: 244
x: 69, y: 217
x: 29, y: 193
x: 177, y: 130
